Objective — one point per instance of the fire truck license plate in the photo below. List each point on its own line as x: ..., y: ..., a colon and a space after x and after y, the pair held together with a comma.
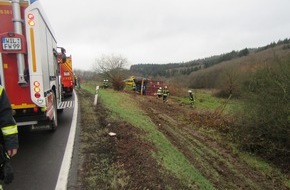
x: 11, y: 43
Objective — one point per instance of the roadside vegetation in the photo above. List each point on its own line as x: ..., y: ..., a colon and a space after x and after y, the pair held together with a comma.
x: 158, y: 149
x: 263, y: 127
x: 235, y: 136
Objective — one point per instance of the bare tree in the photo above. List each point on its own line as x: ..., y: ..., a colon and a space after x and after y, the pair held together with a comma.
x: 229, y: 81
x: 112, y: 67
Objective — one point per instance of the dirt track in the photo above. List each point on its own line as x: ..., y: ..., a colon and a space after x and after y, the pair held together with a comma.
x: 211, y: 156
x: 204, y: 150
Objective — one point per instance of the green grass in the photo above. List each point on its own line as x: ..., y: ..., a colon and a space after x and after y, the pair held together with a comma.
x: 90, y: 88
x: 204, y: 100
x: 99, y: 172
x: 167, y: 154
x: 264, y: 167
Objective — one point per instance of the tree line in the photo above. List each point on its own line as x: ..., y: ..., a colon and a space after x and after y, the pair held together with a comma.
x: 186, y: 68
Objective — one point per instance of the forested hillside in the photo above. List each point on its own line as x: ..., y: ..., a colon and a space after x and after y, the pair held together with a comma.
x: 186, y: 68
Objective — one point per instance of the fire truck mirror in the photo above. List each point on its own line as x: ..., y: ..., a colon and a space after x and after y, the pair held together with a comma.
x: 61, y: 55
x: 63, y: 58
x: 54, y: 52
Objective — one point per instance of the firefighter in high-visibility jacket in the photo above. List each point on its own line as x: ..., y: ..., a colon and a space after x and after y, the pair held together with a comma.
x: 165, y: 94
x: 9, y: 138
x: 159, y: 92
x: 191, y: 97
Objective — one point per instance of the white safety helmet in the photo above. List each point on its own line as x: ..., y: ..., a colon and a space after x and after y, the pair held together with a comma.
x: 189, y: 91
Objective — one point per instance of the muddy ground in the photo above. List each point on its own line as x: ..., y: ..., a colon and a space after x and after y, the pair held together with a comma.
x: 124, y: 161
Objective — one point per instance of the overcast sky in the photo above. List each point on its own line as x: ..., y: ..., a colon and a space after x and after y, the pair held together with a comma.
x: 164, y: 31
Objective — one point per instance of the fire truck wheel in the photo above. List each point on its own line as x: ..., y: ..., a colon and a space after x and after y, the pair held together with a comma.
x: 53, y: 122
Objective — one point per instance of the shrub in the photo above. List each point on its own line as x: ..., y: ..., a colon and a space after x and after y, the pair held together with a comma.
x: 264, y: 126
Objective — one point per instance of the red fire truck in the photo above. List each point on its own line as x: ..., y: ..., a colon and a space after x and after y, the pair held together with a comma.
x: 67, y: 77
x: 29, y: 65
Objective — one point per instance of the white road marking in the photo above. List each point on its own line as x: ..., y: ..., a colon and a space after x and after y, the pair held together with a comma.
x: 66, y: 161
x: 65, y: 104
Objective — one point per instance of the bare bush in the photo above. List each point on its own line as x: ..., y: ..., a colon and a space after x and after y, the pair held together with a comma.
x: 264, y: 126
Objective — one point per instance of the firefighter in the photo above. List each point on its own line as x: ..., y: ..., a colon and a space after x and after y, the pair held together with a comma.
x: 106, y: 83
x: 9, y: 141
x: 79, y: 81
x: 191, y: 97
x: 165, y: 94
x: 159, y: 92
x: 75, y: 80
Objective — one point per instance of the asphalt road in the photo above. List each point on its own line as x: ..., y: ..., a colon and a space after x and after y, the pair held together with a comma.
x: 39, y: 159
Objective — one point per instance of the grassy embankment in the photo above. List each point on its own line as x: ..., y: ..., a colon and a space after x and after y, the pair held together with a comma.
x: 173, y: 160
x: 168, y: 155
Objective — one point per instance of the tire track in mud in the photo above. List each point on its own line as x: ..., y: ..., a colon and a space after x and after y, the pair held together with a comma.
x: 201, y: 156
x: 216, y: 162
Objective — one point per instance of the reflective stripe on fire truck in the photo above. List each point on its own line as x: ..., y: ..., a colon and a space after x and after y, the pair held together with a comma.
x: 22, y: 4
x: 50, y: 107
x: 23, y: 106
x: 33, y: 49
x: 68, y: 67
x: 10, y: 130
